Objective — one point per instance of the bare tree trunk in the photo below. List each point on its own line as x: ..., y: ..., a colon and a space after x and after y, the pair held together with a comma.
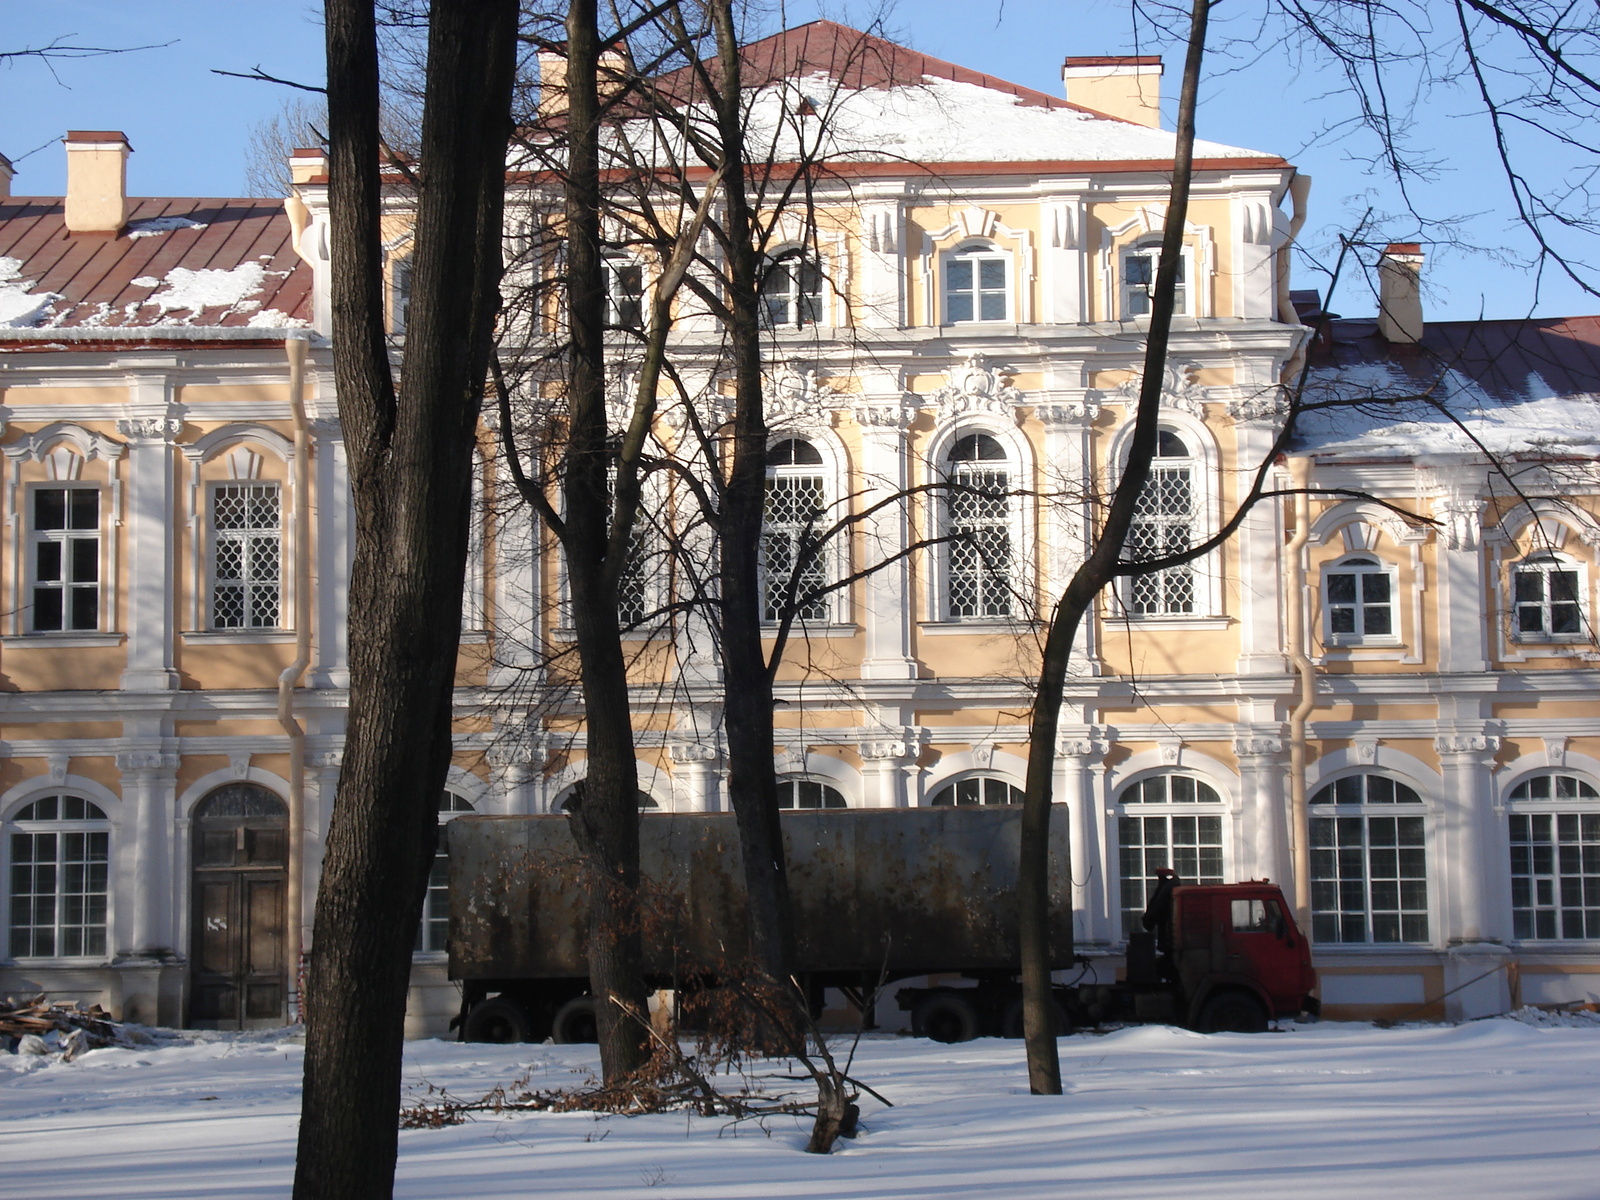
x: 605, y: 820
x: 1099, y: 569
x: 747, y: 715
x: 411, y: 469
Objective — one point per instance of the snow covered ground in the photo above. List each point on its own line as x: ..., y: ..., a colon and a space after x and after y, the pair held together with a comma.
x: 1501, y: 1108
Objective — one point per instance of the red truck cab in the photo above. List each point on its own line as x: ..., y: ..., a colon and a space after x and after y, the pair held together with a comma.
x: 1237, y: 957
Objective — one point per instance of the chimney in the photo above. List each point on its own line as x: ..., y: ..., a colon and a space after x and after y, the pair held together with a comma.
x: 1127, y: 87
x: 614, y: 70
x: 307, y: 165
x: 7, y: 171
x: 97, y: 182
x: 1400, y: 293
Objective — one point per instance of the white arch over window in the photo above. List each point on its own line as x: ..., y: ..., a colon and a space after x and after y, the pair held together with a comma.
x: 974, y: 226
x: 1147, y: 223
x: 824, y: 768
x: 653, y: 782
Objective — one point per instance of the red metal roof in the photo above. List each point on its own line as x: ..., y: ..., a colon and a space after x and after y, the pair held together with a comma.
x: 98, y: 280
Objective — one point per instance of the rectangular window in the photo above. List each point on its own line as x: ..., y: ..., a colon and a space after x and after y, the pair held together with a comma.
x: 1369, y: 879
x: 1191, y: 846
x: 433, y: 933
x: 66, y: 559
x: 1139, y: 282
x: 1163, y: 524
x: 975, y: 288
x: 624, y: 295
x: 1359, y: 605
x: 58, y: 894
x: 978, y: 554
x: 246, y: 580
x: 1547, y: 602
x: 794, y: 506
x: 1555, y: 875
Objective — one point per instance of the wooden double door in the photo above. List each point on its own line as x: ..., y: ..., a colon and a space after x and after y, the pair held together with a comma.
x: 238, y: 978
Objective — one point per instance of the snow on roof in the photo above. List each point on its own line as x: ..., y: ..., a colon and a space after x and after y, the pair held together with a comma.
x: 179, y: 263
x: 946, y: 120
x: 877, y: 101
x: 1508, y: 388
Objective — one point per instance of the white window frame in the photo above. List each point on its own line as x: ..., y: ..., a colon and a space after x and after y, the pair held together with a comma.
x: 975, y: 789
x: 1130, y: 293
x: 452, y: 804
x: 1212, y: 807
x: 1361, y: 565
x: 1546, y: 563
x: 1017, y: 548
x: 794, y: 261
x: 823, y: 566
x: 614, y: 266
x: 795, y: 782
x: 977, y: 254
x: 12, y: 827
x: 1547, y: 894
x: 65, y: 537
x: 216, y: 537
x: 1192, y: 574
x: 1366, y: 811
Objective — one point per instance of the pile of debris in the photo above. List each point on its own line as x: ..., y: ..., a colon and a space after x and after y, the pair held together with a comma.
x: 38, y: 1026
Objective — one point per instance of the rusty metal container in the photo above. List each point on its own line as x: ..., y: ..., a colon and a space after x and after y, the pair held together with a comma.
x: 913, y: 890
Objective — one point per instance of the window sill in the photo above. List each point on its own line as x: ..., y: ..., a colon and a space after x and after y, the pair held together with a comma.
x: 817, y: 629
x: 568, y: 634
x: 1170, y: 622
x: 79, y: 963
x: 239, y: 637
x: 61, y: 641
x: 974, y: 627
x: 1573, y: 640
x: 1336, y: 643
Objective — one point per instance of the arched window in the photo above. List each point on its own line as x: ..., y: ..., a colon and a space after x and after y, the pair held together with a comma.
x: 978, y: 789
x: 1547, y: 598
x: 1369, y: 869
x: 791, y: 291
x: 1358, y: 601
x: 808, y: 793
x: 1169, y: 821
x: 977, y: 285
x: 60, y: 855
x: 792, y: 563
x: 624, y: 292
x: 1139, y: 264
x: 647, y: 802
x: 1555, y: 857
x: 435, y: 928
x: 977, y: 529
x: 1164, y: 524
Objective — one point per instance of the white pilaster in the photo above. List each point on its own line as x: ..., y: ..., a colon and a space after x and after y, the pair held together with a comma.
x: 1263, y: 772
x: 149, y: 785
x: 1469, y: 912
x: 150, y: 518
x: 887, y: 613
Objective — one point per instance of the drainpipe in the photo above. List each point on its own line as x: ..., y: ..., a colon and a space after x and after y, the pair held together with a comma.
x: 290, y: 679
x: 1299, y: 821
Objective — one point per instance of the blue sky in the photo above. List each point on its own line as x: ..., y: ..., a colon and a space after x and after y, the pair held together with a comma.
x: 188, y: 127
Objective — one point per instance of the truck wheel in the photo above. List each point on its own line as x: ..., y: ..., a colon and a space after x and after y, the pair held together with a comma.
x: 1233, y: 1012
x: 945, y: 1017
x: 500, y: 1020
x: 575, y: 1023
x: 1011, y: 1026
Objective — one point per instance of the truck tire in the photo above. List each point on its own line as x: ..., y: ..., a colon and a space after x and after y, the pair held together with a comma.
x: 500, y: 1020
x: 945, y: 1017
x: 1011, y: 1026
x: 1232, y: 1011
x: 574, y: 1023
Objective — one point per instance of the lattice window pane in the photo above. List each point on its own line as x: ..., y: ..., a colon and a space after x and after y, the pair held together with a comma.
x: 246, y: 568
x: 978, y: 554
